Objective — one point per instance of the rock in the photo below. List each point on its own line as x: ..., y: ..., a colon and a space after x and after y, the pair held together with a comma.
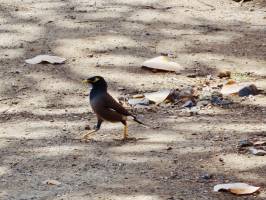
x: 225, y: 74
x: 87, y: 127
x: 173, y: 96
x: 206, y: 93
x: 240, y: 89
x: 245, y: 143
x: 194, y: 111
x: 21, y: 45
x: 257, y: 152
x: 203, y: 103
x: 220, y: 101
x: 248, y: 90
x: 209, y: 77
x: 186, y: 93
x: 206, y: 176
x: 191, y: 75
x: 188, y: 104
x: 169, y: 148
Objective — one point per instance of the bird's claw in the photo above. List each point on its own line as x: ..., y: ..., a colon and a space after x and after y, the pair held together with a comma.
x: 87, y: 135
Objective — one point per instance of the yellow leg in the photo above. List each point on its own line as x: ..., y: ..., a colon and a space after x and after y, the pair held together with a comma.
x: 86, y: 136
x: 125, y: 132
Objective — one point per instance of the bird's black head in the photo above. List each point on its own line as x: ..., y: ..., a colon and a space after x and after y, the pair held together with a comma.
x: 97, y: 82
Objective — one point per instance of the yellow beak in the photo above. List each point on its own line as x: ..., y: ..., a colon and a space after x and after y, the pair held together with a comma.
x: 85, y: 81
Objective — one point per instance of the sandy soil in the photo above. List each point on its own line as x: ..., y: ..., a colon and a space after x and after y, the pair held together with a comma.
x: 44, y: 108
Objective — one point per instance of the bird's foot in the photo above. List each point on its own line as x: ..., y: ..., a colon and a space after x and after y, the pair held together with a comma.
x: 86, y: 136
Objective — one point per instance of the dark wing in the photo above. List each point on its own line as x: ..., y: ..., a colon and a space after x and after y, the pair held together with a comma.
x: 112, y: 108
x: 111, y: 103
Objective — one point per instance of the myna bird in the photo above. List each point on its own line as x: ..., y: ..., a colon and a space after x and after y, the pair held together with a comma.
x: 105, y: 106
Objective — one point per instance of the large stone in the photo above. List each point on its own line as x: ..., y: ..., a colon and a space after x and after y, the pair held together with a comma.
x: 240, y: 89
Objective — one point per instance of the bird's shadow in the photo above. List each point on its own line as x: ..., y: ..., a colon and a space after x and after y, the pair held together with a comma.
x: 114, y: 142
x: 129, y: 140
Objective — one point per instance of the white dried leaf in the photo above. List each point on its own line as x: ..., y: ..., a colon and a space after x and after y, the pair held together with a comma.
x: 52, y: 182
x: 45, y: 58
x: 138, y: 101
x: 236, y: 188
x: 162, y: 63
x: 259, y: 143
x: 158, y: 97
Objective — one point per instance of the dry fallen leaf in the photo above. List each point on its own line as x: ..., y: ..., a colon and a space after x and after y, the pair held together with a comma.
x: 259, y: 143
x: 138, y: 101
x: 162, y: 63
x: 45, y: 58
x: 158, y: 97
x: 236, y: 188
x: 52, y: 182
x: 138, y: 96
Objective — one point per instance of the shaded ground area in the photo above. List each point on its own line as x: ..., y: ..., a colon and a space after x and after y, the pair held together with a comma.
x: 44, y: 108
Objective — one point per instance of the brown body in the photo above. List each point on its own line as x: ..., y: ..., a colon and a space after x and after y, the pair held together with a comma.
x: 107, y: 109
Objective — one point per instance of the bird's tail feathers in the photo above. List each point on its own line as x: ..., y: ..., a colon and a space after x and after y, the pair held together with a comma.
x: 138, y: 121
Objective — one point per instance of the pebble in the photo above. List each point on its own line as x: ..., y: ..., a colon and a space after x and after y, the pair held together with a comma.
x: 257, y: 152
x: 241, y: 89
x: 203, y: 103
x: 244, y: 143
x: 220, y: 101
x: 206, y: 176
x: 188, y: 104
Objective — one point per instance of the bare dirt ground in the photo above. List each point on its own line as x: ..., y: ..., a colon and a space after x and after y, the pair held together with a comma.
x: 44, y: 107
